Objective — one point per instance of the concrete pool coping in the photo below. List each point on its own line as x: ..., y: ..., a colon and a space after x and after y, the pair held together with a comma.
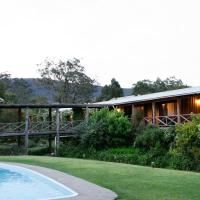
x: 85, y: 189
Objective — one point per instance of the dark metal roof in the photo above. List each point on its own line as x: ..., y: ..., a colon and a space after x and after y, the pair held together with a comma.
x: 153, y: 96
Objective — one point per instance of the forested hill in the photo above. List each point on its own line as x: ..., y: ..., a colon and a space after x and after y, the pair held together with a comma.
x: 40, y: 90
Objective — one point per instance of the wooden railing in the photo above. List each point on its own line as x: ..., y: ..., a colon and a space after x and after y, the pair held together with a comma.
x: 12, y: 127
x: 166, y: 121
x: 38, y: 127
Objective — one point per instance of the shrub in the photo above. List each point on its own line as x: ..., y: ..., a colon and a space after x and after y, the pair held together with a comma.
x: 123, y: 155
x: 176, y: 147
x: 78, y: 114
x: 188, y: 138
x: 178, y: 161
x: 155, y: 138
x: 38, y: 151
x: 74, y: 151
x: 31, y: 143
x: 105, y: 128
x: 15, y: 150
x: 127, y: 155
x: 188, y: 142
x: 11, y: 150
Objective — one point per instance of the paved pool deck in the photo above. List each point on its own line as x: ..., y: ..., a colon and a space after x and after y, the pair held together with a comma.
x: 85, y: 189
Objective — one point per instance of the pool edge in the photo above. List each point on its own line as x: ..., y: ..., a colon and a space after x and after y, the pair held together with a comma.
x: 84, y: 189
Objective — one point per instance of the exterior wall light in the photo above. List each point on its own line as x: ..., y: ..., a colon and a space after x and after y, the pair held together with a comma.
x: 197, y: 102
x: 119, y: 110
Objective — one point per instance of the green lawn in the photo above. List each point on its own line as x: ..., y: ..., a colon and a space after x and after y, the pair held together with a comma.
x: 130, y: 182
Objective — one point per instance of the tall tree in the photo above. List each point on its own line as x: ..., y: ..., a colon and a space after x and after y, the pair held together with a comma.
x: 147, y: 86
x: 14, y: 90
x: 22, y: 90
x: 68, y: 80
x: 4, y: 83
x: 143, y: 87
x: 111, y: 91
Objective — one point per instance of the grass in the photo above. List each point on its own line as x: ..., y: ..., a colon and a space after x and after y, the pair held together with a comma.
x: 130, y: 182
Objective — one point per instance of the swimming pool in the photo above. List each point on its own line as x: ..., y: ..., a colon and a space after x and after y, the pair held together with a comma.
x: 18, y: 183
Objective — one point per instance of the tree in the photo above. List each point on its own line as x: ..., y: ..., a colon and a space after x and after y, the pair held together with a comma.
x: 14, y: 90
x: 111, y: 91
x: 143, y: 87
x: 39, y: 100
x: 147, y: 86
x: 68, y: 80
x: 115, y: 89
x: 4, y: 83
x: 22, y: 91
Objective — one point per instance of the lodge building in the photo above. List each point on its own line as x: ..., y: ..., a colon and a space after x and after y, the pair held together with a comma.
x: 162, y: 108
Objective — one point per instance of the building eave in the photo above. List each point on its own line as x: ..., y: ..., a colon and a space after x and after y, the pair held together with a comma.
x: 153, y: 96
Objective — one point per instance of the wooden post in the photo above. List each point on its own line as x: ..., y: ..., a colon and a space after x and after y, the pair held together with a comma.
x: 19, y: 121
x: 133, y: 114
x: 26, y: 131
x: 50, y: 129
x: 179, y: 110
x: 86, y: 113
x: 19, y: 114
x: 154, y: 113
x: 57, y: 138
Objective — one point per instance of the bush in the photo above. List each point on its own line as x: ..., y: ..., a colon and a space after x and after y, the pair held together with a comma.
x: 123, y: 155
x: 188, y: 139
x: 178, y: 161
x: 15, y: 150
x: 104, y: 129
x: 11, y: 150
x: 176, y: 147
x: 71, y: 150
x: 186, y: 153
x: 157, y: 139
x: 78, y: 114
x: 38, y: 151
x: 127, y: 155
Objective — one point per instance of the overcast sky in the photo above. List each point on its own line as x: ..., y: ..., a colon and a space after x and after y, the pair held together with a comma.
x: 130, y: 40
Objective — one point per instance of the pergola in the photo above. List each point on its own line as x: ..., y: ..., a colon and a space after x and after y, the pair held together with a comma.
x: 52, y: 127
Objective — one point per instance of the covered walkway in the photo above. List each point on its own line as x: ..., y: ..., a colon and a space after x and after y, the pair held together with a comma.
x: 26, y: 125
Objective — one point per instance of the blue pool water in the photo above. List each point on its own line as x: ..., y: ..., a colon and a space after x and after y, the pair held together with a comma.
x: 17, y: 183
